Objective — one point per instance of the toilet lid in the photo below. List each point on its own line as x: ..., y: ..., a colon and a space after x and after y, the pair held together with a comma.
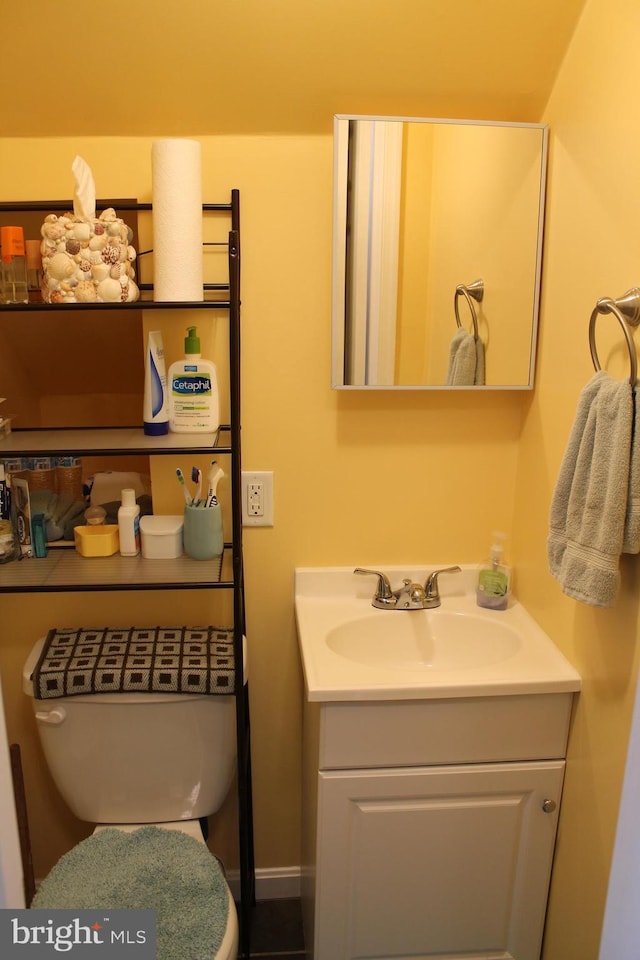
x: 151, y: 868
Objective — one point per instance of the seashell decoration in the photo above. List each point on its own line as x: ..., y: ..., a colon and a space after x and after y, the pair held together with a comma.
x: 88, y: 260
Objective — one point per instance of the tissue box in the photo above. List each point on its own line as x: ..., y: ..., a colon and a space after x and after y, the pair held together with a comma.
x: 161, y: 537
x: 87, y: 261
x: 97, y: 541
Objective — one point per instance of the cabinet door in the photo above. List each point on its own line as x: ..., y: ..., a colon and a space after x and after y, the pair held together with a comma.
x: 440, y: 862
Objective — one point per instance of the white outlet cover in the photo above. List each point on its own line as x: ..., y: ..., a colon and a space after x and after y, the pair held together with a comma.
x: 265, y: 479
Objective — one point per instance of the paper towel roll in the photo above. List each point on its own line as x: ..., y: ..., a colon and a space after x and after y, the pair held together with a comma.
x: 176, y: 175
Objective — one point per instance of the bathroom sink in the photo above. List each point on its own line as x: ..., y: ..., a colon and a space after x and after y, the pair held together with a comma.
x: 352, y: 651
x: 425, y: 640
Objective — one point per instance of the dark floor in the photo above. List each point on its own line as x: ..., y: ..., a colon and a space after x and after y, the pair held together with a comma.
x: 276, y: 930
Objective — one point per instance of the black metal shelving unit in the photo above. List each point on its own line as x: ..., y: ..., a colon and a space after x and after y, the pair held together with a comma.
x: 64, y: 571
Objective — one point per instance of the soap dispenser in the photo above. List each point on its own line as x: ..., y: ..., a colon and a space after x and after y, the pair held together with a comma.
x: 494, y: 578
x: 193, y: 390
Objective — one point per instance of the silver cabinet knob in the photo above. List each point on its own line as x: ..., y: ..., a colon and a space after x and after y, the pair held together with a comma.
x: 549, y: 806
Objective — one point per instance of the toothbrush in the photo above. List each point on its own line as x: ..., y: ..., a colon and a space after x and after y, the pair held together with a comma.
x: 215, y: 475
x: 196, y: 476
x: 180, y: 476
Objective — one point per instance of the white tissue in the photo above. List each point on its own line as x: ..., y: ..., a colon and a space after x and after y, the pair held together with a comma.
x: 84, y: 197
x: 176, y: 172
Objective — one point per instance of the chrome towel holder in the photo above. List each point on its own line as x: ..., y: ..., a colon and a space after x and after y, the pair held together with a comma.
x: 626, y: 310
x: 471, y: 291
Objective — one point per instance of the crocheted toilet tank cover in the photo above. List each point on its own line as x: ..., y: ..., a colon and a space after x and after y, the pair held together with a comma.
x: 195, y: 660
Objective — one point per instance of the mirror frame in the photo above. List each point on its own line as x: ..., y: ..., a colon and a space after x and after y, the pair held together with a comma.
x: 340, y: 168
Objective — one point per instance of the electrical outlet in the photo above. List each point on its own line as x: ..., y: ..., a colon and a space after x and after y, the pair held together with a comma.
x: 257, y: 498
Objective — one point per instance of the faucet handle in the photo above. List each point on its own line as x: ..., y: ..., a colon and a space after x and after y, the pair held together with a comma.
x: 431, y: 586
x: 383, y: 595
x: 416, y: 591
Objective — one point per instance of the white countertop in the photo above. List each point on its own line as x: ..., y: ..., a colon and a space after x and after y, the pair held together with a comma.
x: 327, y: 598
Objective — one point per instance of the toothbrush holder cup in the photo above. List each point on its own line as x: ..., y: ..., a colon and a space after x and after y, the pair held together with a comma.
x: 203, y: 539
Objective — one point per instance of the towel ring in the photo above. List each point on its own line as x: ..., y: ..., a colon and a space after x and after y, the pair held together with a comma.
x: 471, y: 291
x: 626, y: 310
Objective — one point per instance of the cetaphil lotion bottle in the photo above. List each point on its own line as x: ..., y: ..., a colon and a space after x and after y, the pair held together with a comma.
x: 194, y: 405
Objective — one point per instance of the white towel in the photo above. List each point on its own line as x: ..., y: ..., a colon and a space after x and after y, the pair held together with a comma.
x: 466, y: 360
x: 589, y: 503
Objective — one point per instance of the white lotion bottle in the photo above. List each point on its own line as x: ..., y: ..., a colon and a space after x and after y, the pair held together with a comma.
x: 194, y: 403
x: 129, y: 524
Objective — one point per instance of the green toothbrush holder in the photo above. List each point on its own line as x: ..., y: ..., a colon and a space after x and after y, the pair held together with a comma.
x: 203, y: 539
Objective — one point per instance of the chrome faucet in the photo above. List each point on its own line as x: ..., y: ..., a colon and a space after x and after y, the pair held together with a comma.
x: 410, y: 596
x: 432, y: 598
x: 384, y: 597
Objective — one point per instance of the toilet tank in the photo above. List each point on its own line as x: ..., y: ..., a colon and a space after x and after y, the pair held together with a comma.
x: 137, y: 758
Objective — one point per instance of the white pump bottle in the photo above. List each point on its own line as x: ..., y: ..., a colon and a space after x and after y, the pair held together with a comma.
x: 194, y: 405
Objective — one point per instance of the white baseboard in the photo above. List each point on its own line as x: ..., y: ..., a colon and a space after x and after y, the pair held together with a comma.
x: 272, y: 883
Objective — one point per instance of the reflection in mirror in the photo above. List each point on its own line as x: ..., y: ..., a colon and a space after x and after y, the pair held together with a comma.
x: 437, y: 252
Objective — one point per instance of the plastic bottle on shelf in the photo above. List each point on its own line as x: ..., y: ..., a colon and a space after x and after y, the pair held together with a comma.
x: 155, y: 409
x: 34, y: 270
x: 14, y: 265
x: 194, y: 405
x: 7, y: 540
x: 129, y: 524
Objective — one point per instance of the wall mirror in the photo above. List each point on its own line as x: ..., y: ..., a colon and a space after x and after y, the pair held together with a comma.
x: 436, y: 252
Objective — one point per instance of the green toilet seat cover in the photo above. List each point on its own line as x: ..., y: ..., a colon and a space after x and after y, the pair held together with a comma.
x: 151, y: 868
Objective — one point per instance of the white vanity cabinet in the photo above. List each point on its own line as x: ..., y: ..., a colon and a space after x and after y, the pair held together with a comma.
x: 429, y: 826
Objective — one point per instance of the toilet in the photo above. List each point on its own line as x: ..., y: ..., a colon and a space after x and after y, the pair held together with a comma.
x: 149, y: 765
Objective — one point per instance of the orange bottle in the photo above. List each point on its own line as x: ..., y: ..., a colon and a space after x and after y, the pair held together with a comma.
x: 14, y: 265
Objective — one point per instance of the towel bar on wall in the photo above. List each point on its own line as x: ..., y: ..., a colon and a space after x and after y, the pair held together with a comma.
x: 472, y: 291
x: 626, y: 310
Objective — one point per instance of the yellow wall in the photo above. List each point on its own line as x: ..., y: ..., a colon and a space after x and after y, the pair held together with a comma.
x: 592, y: 250
x: 382, y: 478
x: 250, y: 66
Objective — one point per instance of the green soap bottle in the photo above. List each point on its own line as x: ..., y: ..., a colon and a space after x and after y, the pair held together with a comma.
x: 494, y: 578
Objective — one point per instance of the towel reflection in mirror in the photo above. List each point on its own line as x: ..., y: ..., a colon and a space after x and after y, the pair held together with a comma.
x: 466, y: 361
x: 467, y: 354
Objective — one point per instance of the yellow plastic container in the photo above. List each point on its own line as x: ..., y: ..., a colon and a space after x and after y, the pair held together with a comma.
x: 97, y: 541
